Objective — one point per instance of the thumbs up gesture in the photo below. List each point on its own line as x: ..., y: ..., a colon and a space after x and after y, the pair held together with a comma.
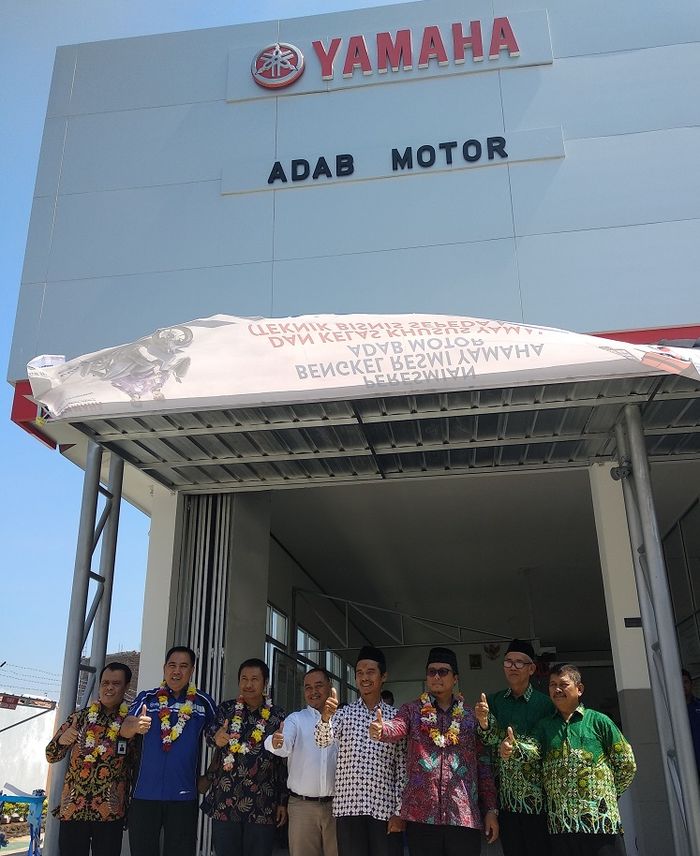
x: 222, y: 736
x: 330, y: 707
x: 278, y: 737
x: 481, y: 709
x: 505, y: 750
x: 377, y: 726
x: 144, y: 721
x: 70, y: 735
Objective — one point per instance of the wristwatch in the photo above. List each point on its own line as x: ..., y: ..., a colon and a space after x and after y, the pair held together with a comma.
x: 493, y: 811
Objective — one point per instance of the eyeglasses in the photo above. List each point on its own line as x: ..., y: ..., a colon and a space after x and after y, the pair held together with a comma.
x: 516, y: 664
x: 438, y: 673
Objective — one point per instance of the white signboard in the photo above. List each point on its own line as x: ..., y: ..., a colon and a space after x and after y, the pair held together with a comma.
x: 225, y: 361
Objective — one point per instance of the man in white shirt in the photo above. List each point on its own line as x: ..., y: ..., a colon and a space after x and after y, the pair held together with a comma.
x: 311, y: 772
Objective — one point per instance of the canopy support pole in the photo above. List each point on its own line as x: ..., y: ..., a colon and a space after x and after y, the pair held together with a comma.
x: 80, y: 619
x: 659, y: 636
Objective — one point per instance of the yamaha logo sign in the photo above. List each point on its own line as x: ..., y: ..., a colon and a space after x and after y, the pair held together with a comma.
x: 277, y: 66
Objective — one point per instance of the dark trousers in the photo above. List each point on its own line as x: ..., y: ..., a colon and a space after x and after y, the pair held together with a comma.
x: 586, y: 844
x: 177, y: 819
x: 428, y: 839
x: 231, y: 838
x: 366, y: 836
x: 76, y: 836
x: 523, y: 834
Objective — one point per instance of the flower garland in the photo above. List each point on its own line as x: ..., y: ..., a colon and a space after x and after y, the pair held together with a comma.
x: 169, y: 734
x: 235, y: 747
x: 110, y: 736
x: 428, y: 719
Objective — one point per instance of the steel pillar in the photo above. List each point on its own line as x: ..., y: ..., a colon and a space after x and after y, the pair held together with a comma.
x: 660, y: 637
x: 80, y: 619
x: 108, y: 554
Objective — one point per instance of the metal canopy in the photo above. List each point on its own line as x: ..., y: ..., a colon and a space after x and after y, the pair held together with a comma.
x: 521, y: 427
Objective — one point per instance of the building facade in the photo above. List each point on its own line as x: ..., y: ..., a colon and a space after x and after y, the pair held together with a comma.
x: 517, y: 162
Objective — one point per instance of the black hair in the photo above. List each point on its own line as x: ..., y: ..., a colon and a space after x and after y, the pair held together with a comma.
x: 255, y: 663
x: 326, y: 674
x: 118, y: 667
x: 183, y: 649
x: 567, y: 669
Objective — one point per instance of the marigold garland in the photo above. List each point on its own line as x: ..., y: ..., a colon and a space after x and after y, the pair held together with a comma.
x: 110, y: 735
x: 428, y: 719
x: 235, y: 747
x: 168, y: 733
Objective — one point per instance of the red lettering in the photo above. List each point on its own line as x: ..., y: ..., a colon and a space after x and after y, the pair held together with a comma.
x: 394, y: 53
x: 327, y: 57
x: 473, y: 41
x: 432, y: 48
x: 357, y: 57
x: 503, y: 38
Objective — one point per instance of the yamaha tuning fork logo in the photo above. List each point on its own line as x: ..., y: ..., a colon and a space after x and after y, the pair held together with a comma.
x: 277, y: 65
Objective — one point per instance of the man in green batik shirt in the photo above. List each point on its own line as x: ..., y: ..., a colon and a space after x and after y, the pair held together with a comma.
x: 586, y: 765
x: 522, y: 820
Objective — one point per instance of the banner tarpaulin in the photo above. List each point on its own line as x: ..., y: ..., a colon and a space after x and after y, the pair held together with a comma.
x: 225, y: 361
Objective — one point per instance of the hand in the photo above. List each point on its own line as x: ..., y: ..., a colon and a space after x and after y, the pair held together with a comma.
x: 222, y: 737
x: 505, y: 750
x: 491, y: 827
x: 70, y: 735
x: 144, y: 721
x: 330, y: 707
x: 376, y: 727
x: 278, y: 737
x: 481, y: 709
x: 395, y: 824
x: 281, y: 815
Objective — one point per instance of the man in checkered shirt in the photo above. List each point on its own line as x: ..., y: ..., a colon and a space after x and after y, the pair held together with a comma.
x: 370, y: 776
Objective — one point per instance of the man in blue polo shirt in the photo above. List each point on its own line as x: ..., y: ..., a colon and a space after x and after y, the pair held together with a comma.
x: 171, y: 719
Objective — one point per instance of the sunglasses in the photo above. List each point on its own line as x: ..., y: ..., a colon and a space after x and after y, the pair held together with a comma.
x: 438, y: 673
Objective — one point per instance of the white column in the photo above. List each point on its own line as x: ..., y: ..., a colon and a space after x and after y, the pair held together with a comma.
x: 629, y: 656
x: 162, y: 541
x: 249, y: 561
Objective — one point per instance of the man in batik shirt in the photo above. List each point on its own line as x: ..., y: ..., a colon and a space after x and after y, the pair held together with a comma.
x: 522, y: 819
x: 450, y: 795
x: 96, y: 788
x: 248, y: 797
x: 369, y: 776
x: 586, y: 765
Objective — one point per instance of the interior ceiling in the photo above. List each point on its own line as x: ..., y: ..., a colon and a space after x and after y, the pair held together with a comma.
x: 482, y: 551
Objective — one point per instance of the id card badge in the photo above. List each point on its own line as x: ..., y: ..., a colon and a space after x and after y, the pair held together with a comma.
x: 121, y: 746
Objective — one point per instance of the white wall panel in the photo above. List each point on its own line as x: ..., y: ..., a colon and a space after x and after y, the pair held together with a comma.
x: 130, y: 229
x: 26, y: 330
x: 467, y: 279
x: 599, y: 26
x: 166, y: 145
x: 62, y: 80
x: 419, y: 210
x: 610, y: 181
x: 158, y: 229
x: 51, y: 156
x: 424, y: 112
x: 607, y: 279
x: 133, y: 306
x: 176, y: 68
x: 595, y: 96
x: 39, y: 239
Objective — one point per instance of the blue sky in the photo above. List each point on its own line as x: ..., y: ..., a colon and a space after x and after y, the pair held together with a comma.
x: 39, y: 490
